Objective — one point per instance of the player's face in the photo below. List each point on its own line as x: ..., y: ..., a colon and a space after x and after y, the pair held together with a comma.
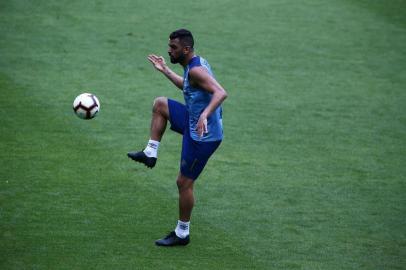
x: 176, y: 51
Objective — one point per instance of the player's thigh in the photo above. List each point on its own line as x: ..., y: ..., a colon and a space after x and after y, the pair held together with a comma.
x: 195, y: 156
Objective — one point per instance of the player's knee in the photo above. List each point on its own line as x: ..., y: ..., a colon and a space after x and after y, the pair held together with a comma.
x: 184, y: 184
x: 160, y: 104
x: 180, y: 183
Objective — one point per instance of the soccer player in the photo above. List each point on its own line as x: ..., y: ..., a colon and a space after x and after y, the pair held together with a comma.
x: 199, y: 121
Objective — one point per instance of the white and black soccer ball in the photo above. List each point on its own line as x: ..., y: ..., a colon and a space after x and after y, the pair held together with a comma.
x: 86, y: 106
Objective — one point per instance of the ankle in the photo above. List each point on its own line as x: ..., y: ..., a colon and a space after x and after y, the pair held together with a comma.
x: 151, y: 150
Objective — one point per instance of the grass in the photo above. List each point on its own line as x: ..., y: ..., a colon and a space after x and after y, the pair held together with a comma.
x: 311, y: 174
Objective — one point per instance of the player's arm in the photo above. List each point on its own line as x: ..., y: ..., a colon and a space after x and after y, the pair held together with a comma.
x: 201, y: 78
x: 160, y: 65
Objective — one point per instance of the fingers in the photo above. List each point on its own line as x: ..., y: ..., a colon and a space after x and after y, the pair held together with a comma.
x: 152, y: 58
x: 155, y: 59
x: 201, y: 132
x: 202, y: 128
x: 199, y: 129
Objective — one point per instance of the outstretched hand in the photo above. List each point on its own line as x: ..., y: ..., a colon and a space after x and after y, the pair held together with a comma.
x: 157, y: 61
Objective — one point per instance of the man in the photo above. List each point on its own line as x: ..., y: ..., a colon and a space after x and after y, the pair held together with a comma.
x: 199, y: 121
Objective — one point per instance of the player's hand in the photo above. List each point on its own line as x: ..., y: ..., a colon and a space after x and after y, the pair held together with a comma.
x: 202, y: 125
x: 157, y: 61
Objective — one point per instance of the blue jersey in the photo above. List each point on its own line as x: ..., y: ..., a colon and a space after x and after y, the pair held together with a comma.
x: 197, y: 100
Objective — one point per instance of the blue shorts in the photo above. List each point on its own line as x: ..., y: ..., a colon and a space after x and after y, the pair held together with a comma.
x: 194, y: 154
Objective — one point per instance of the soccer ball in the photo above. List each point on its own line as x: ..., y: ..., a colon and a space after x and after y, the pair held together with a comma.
x: 86, y: 106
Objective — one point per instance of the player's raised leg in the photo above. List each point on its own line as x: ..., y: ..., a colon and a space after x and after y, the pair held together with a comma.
x: 160, y: 116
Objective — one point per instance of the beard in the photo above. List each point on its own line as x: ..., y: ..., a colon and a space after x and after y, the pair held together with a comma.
x: 178, y: 59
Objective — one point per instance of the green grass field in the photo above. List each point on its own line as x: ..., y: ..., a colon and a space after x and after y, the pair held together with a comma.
x: 312, y: 171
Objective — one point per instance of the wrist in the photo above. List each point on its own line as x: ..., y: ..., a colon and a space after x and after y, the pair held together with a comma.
x: 204, y: 114
x: 166, y: 70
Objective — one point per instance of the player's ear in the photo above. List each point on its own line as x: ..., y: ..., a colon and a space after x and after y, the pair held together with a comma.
x: 187, y: 49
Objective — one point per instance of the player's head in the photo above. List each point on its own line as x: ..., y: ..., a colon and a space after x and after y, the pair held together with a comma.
x: 180, y: 45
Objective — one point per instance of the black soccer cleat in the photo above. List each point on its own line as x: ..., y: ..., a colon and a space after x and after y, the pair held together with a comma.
x: 142, y: 158
x: 172, y: 240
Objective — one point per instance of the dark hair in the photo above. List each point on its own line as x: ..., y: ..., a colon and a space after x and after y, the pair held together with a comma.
x: 184, y: 36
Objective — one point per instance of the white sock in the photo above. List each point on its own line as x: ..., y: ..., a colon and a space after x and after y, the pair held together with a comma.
x: 182, y: 229
x: 152, y: 149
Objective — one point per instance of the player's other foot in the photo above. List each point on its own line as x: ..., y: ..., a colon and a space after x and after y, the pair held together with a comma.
x: 142, y: 158
x: 172, y: 240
